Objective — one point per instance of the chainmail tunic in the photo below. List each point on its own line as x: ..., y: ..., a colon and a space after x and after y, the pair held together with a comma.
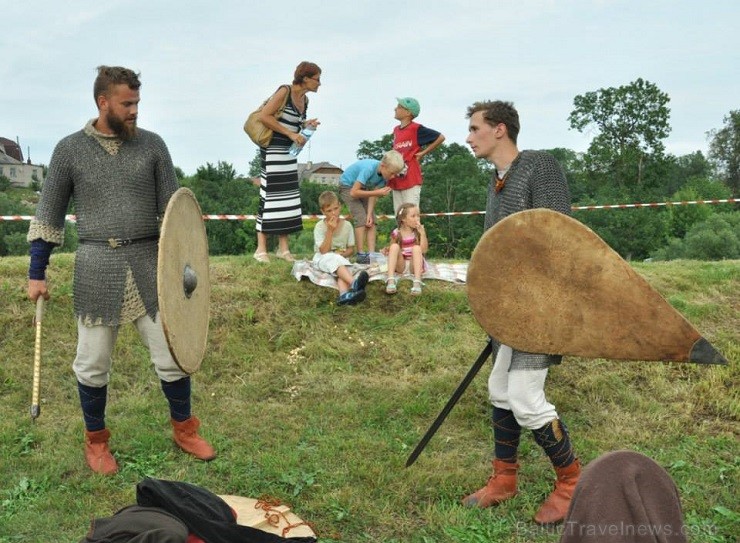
x: 535, y: 180
x: 120, y: 190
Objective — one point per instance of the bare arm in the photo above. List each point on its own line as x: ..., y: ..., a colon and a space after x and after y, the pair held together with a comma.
x: 423, y: 241
x: 267, y: 115
x: 358, y: 191
x: 431, y: 147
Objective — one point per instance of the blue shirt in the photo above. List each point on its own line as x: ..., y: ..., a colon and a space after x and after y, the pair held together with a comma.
x: 365, y: 172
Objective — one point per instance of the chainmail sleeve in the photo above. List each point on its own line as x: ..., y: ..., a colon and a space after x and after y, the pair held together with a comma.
x: 48, y: 224
x: 164, y: 174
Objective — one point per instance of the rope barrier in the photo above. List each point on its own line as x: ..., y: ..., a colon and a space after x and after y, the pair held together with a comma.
x: 224, y: 217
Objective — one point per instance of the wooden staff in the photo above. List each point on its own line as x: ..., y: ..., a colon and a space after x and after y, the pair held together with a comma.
x: 35, y: 406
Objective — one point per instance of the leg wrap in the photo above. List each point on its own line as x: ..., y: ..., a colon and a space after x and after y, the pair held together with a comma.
x: 506, y: 433
x: 178, y: 396
x: 553, y: 438
x: 93, y: 401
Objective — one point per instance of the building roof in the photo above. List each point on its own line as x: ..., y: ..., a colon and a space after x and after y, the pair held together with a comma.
x: 309, y: 168
x: 5, y: 158
x: 11, y: 149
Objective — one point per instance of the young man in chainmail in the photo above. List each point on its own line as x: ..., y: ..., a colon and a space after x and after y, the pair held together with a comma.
x: 522, y: 180
x: 121, y: 178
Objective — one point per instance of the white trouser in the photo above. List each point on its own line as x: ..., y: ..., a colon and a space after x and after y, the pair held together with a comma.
x: 407, y: 196
x: 95, y: 346
x: 520, y: 391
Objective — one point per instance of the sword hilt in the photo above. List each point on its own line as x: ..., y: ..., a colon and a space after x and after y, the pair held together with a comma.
x: 35, y: 406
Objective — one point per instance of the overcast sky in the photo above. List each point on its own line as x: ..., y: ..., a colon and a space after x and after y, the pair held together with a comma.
x: 206, y: 64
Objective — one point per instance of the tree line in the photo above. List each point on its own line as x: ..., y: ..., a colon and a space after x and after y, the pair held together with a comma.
x: 626, y: 162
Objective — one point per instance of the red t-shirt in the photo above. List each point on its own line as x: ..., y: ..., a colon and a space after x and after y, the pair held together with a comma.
x: 408, y: 141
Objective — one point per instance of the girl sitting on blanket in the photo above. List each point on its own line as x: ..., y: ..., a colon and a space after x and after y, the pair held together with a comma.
x: 408, y: 246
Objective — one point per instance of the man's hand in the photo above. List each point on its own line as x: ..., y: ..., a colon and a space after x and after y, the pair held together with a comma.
x: 36, y: 288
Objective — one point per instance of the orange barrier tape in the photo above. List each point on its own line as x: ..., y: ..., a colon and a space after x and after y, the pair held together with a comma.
x: 223, y: 217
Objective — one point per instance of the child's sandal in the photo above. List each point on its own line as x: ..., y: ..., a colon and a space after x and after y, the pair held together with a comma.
x: 391, y: 285
x: 416, y: 289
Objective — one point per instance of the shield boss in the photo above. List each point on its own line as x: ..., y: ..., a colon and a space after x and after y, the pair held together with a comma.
x: 183, y: 284
x: 542, y: 282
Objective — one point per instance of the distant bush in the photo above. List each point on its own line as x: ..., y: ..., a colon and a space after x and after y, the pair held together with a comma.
x: 713, y: 239
x: 716, y: 238
x: 16, y: 244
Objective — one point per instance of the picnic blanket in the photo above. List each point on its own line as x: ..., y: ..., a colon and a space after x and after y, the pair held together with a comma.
x: 442, y: 271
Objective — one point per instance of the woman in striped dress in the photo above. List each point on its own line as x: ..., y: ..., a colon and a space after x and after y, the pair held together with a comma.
x: 280, y: 201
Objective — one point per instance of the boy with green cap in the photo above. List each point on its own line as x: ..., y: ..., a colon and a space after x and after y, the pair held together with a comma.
x: 413, y: 141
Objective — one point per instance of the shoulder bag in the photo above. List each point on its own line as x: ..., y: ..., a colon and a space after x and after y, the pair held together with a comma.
x: 255, y: 129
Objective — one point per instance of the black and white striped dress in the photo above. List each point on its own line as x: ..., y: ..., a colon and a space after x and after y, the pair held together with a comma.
x: 280, y: 200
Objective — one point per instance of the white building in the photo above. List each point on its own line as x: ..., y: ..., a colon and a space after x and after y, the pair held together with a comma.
x: 12, y: 166
x: 321, y: 172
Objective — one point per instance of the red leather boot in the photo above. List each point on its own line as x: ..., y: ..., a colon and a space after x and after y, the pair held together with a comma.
x: 186, y: 436
x: 555, y: 507
x: 500, y: 487
x: 97, y: 453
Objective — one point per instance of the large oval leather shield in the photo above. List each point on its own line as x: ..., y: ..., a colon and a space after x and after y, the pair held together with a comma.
x: 183, y: 283
x: 542, y: 282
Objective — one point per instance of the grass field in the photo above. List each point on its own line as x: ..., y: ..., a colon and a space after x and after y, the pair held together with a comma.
x: 319, y: 406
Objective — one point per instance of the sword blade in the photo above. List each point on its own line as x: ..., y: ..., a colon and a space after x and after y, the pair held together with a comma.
x: 462, y: 387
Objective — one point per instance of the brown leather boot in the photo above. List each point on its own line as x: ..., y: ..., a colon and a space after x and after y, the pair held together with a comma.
x: 555, y: 507
x: 500, y: 487
x: 186, y: 436
x: 97, y: 453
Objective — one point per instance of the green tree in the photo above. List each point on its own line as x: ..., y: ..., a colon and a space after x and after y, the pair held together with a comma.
x: 375, y: 149
x: 255, y: 165
x: 633, y: 233
x: 454, y: 180
x: 682, y: 217
x: 724, y: 150
x: 630, y: 122
x: 4, y: 183
x: 220, y: 191
x: 11, y: 232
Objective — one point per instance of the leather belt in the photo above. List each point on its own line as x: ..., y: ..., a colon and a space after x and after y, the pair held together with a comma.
x: 115, y: 243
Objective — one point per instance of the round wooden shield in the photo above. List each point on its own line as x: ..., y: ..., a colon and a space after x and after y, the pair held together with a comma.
x: 183, y: 283
x: 542, y: 282
x: 275, y: 519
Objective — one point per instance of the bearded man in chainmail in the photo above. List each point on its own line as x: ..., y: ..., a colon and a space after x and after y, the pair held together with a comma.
x: 522, y: 180
x: 121, y: 178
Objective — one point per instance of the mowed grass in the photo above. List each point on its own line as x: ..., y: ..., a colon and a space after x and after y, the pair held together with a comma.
x: 320, y: 406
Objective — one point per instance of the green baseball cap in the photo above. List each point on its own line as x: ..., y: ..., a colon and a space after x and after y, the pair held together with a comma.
x: 412, y: 104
